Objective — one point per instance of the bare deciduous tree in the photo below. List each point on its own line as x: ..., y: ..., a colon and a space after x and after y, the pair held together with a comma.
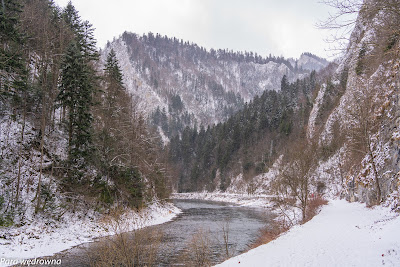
x: 294, y: 181
x: 363, y: 126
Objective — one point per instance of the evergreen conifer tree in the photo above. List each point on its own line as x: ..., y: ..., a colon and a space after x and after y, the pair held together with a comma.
x: 78, y: 86
x: 12, y: 68
x: 76, y: 92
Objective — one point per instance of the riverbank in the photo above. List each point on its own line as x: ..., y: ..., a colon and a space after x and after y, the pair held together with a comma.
x: 259, y: 201
x: 45, y: 238
x: 342, y: 234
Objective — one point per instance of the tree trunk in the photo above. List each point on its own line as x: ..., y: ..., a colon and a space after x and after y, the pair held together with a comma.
x: 372, y: 161
x: 43, y: 133
x: 43, y: 128
x: 378, y: 187
x: 20, y: 154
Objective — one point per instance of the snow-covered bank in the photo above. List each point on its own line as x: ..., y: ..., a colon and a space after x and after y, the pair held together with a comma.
x: 343, y: 234
x: 44, y: 239
x: 259, y: 200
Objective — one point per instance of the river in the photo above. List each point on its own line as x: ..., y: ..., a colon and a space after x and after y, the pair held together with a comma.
x: 208, y: 221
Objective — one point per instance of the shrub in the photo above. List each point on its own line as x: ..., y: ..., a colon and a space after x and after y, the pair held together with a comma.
x: 313, y: 207
x: 137, y: 248
x: 199, y: 250
x: 269, y: 233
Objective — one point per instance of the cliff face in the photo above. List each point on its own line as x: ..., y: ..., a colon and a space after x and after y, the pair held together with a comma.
x: 355, y: 118
x: 193, y: 86
x: 364, y: 126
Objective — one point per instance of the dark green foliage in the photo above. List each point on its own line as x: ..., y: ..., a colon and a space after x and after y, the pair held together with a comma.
x: 112, y: 69
x: 83, y: 31
x: 77, y: 88
x: 6, y: 219
x: 127, y: 187
x: 12, y: 64
x: 285, y: 125
x: 48, y: 58
x: 130, y: 183
x: 160, y: 184
x: 76, y: 92
x: 200, y: 153
x: 106, y: 193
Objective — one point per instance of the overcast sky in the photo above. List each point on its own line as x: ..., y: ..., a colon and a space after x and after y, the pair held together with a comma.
x: 280, y: 27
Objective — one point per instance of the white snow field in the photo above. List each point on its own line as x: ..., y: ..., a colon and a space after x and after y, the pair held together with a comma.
x: 343, y: 234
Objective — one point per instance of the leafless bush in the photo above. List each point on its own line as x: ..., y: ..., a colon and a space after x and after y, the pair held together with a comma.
x: 270, y: 233
x: 292, y: 185
x: 198, y: 252
x: 314, y: 204
x: 228, y: 248
x: 137, y: 248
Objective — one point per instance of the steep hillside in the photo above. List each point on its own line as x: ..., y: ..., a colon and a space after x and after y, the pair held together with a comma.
x: 247, y: 143
x: 365, y: 158
x: 181, y: 84
x: 355, y: 119
x: 349, y: 145
x: 71, y: 140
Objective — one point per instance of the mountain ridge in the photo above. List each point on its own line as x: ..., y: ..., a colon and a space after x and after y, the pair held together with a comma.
x: 211, y: 84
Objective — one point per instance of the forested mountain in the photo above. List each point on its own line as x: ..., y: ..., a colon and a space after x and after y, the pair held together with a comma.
x: 335, y: 132
x: 71, y: 137
x: 181, y: 84
x: 74, y: 122
x: 250, y: 141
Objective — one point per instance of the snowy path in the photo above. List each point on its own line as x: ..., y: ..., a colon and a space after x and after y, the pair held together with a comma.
x: 343, y: 234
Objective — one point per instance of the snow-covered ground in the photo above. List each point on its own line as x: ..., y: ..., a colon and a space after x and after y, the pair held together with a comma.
x: 45, y: 239
x: 343, y: 234
x: 255, y: 200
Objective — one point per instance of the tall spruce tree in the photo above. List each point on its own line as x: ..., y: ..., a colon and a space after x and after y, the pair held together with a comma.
x: 76, y: 92
x: 77, y: 88
x: 112, y: 69
x: 12, y: 67
x: 83, y: 31
x: 115, y: 114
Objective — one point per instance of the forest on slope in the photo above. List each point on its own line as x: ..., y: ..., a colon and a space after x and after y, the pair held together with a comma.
x: 252, y: 139
x: 71, y: 138
x: 334, y: 135
x: 74, y: 122
x: 179, y: 84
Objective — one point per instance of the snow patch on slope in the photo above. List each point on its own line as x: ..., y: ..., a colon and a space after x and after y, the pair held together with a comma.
x: 45, y: 238
x: 315, y: 111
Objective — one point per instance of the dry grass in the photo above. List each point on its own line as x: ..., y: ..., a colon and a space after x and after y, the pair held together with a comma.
x: 198, y: 252
x: 314, y: 205
x: 274, y: 230
x: 269, y: 233
x: 137, y: 248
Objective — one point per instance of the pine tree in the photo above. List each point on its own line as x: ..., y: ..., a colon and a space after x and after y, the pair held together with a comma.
x: 72, y: 18
x: 76, y: 92
x: 115, y: 113
x: 12, y: 68
x: 83, y: 31
x: 78, y: 87
x: 112, y: 69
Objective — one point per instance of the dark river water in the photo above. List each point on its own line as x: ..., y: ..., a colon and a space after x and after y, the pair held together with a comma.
x: 200, y: 227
